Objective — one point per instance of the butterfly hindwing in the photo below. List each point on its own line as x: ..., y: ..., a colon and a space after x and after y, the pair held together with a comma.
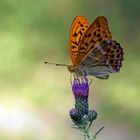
x: 103, y: 61
x: 114, y: 56
x: 77, y: 30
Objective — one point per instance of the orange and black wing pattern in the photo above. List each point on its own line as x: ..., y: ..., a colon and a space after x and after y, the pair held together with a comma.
x: 98, y: 48
x: 97, y: 34
x: 77, y: 30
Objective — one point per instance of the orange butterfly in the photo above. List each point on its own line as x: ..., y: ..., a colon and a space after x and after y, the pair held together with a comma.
x: 92, y: 50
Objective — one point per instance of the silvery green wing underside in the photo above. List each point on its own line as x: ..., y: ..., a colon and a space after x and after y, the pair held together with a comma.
x: 106, y: 58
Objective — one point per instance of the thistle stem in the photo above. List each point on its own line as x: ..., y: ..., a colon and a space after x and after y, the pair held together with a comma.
x: 86, y: 135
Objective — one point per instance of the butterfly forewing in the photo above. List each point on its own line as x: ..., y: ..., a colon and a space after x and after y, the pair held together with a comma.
x: 98, y: 33
x: 77, y: 30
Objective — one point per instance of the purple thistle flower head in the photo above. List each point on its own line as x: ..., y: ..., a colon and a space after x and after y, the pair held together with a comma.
x: 81, y: 115
x: 80, y: 87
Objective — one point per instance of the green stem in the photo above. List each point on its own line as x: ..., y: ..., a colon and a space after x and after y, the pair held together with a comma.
x: 84, y: 133
x: 88, y: 136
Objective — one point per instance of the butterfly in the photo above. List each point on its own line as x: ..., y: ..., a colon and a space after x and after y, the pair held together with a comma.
x: 92, y: 50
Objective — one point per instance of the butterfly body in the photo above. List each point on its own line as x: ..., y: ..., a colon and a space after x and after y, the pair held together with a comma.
x: 92, y: 50
x: 97, y: 71
x: 77, y: 70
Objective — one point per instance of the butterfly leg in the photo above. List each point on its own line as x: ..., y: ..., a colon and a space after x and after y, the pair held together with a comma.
x: 90, y: 81
x: 71, y: 78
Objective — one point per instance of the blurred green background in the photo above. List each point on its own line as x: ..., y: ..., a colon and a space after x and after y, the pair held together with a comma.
x: 35, y: 98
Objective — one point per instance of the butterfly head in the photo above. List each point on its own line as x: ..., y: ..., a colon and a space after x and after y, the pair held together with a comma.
x: 77, y: 70
x: 71, y: 68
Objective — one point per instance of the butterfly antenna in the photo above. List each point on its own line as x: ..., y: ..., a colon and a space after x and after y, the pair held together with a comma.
x: 55, y: 64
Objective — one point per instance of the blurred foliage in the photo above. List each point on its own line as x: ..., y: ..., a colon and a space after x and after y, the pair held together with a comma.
x: 34, y: 31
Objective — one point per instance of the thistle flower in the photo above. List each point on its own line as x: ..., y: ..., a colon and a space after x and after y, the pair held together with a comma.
x: 80, y: 90
x: 81, y: 116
